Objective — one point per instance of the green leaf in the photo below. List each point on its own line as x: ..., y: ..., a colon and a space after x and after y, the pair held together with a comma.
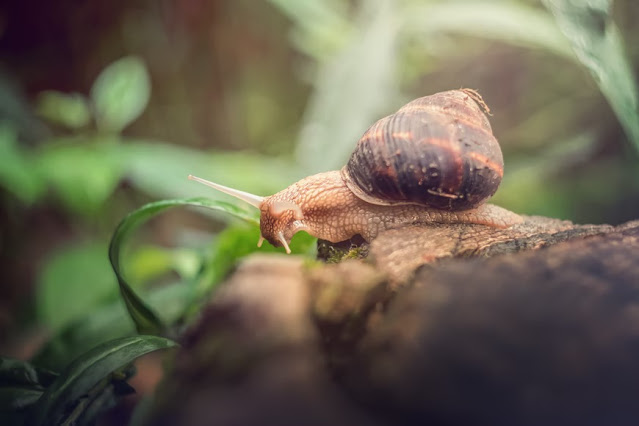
x: 505, y: 21
x: 161, y: 170
x: 16, y: 168
x: 82, y: 174
x: 596, y: 41
x: 88, y: 370
x: 14, y: 398
x: 149, y: 262
x: 69, y: 110
x: 21, y: 385
x: 352, y: 91
x: 238, y: 241
x: 120, y: 93
x: 109, y: 322
x: 73, y: 283
x: 100, y: 399
x: 105, y: 323
x: 21, y: 373
x: 144, y: 318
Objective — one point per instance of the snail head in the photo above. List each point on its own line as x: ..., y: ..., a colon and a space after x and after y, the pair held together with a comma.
x: 279, y: 219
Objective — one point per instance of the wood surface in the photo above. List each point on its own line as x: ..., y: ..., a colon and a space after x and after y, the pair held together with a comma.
x: 438, y: 325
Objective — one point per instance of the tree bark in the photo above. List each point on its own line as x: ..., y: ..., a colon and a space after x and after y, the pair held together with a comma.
x: 439, y: 325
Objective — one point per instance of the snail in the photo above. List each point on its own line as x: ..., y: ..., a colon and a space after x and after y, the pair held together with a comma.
x: 434, y: 161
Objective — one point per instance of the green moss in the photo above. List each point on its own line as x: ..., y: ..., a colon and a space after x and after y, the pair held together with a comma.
x: 356, y: 253
x: 355, y: 248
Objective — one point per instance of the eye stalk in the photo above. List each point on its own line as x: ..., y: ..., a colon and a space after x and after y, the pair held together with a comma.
x: 280, y: 237
x: 254, y: 200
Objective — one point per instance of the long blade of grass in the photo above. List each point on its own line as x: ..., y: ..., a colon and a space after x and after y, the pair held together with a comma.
x: 88, y: 369
x: 505, y: 21
x: 321, y: 26
x: 352, y: 91
x: 598, y: 45
x: 145, y: 319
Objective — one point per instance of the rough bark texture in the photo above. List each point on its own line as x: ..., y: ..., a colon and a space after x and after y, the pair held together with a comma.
x: 441, y: 325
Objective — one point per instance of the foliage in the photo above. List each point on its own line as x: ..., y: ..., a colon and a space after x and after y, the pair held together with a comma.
x: 145, y: 319
x: 68, y: 110
x: 74, y: 271
x: 120, y: 94
x: 599, y: 47
x: 14, y: 167
x: 91, y: 383
x: 360, y: 60
x: 336, y: 117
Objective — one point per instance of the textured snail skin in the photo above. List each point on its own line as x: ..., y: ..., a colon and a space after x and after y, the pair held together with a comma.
x: 332, y: 212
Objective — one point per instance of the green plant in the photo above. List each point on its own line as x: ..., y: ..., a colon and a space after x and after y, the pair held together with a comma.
x: 90, y: 384
x: 361, y: 62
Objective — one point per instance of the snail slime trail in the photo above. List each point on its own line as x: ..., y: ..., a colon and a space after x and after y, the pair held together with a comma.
x: 433, y: 161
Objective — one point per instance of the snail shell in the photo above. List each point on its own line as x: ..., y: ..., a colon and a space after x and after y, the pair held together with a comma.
x: 437, y: 151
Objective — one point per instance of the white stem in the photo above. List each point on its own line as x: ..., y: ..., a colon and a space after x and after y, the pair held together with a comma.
x: 254, y: 200
x: 280, y: 237
x: 260, y: 241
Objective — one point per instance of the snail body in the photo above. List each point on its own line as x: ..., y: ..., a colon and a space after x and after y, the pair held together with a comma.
x: 434, y: 161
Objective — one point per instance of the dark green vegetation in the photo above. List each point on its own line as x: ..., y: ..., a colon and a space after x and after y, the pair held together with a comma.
x: 257, y: 111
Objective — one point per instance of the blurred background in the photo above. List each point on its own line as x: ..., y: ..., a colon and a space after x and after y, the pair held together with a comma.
x: 105, y: 106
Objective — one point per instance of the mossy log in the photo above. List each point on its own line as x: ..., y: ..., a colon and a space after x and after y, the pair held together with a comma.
x: 439, y: 325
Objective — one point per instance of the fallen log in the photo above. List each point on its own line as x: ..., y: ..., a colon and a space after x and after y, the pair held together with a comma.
x: 440, y: 325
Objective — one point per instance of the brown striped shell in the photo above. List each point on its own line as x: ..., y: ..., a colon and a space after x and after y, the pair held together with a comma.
x: 437, y: 151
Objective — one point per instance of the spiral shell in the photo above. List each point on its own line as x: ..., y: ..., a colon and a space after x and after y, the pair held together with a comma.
x: 437, y: 151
